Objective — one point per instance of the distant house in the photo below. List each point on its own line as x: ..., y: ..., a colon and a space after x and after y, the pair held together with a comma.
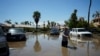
x: 6, y: 26
x: 96, y: 22
x: 18, y: 25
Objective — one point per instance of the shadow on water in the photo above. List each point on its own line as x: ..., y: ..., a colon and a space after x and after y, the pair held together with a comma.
x: 37, y: 46
x: 20, y: 44
x: 64, y: 51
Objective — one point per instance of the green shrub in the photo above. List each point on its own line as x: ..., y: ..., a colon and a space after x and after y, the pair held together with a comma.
x: 28, y: 29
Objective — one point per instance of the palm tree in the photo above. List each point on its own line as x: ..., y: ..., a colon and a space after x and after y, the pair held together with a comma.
x: 44, y: 25
x: 26, y: 22
x: 89, y: 11
x: 8, y: 21
x: 36, y: 16
x: 53, y: 23
x: 96, y: 15
x: 16, y: 23
x: 48, y: 25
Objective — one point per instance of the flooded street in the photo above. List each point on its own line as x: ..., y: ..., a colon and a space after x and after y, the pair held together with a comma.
x: 47, y: 45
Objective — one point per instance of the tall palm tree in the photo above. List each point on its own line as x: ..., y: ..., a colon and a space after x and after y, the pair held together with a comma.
x: 89, y: 11
x: 36, y: 16
x: 44, y: 24
x: 48, y: 25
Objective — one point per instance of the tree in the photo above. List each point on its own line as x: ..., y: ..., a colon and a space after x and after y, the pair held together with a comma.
x: 48, y: 24
x: 53, y: 23
x: 44, y: 25
x: 36, y: 16
x: 26, y: 22
x: 97, y: 14
x: 13, y: 26
x: 66, y: 23
x: 73, y: 20
x: 89, y: 12
x: 8, y: 21
x: 30, y: 23
x: 16, y: 23
x: 82, y: 23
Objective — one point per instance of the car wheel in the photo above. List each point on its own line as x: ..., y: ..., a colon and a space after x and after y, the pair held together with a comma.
x: 24, y: 38
x: 78, y: 36
x: 8, y: 53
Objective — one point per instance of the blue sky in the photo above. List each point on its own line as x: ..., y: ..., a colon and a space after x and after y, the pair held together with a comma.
x: 52, y: 10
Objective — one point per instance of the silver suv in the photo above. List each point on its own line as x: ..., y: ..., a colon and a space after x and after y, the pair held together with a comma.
x: 4, y: 49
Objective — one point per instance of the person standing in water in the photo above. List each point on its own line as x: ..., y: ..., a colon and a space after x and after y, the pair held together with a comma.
x: 65, y: 37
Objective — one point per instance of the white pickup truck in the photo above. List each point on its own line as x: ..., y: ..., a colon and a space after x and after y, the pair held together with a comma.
x: 80, y: 32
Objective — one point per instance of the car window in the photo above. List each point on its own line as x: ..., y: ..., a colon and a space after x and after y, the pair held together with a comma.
x: 81, y: 30
x: 16, y: 30
x: 54, y: 29
x: 74, y: 30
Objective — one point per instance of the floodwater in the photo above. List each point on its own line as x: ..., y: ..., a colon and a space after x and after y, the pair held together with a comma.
x: 46, y: 45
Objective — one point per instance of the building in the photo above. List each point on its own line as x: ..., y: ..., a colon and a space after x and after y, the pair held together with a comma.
x: 96, y: 22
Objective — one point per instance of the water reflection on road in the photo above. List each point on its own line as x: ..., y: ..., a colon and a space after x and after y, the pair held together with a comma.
x: 46, y: 45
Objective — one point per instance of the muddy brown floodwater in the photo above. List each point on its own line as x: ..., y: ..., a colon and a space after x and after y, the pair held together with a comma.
x: 47, y: 45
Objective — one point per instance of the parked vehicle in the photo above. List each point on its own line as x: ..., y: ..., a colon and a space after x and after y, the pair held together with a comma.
x: 80, y: 32
x: 94, y: 30
x: 54, y: 31
x: 4, y: 48
x: 16, y: 34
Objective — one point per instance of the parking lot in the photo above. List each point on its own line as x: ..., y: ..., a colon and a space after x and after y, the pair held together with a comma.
x: 48, y: 45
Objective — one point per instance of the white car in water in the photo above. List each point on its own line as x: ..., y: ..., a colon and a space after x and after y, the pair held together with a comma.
x: 80, y: 32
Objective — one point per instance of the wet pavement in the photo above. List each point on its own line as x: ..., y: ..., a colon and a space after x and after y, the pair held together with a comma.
x: 46, y: 45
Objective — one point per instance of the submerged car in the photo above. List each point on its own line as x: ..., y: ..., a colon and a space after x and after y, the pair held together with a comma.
x: 54, y: 31
x: 80, y: 32
x: 16, y: 34
x: 4, y: 48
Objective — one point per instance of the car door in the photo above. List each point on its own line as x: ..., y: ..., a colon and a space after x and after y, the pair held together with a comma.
x: 74, y: 32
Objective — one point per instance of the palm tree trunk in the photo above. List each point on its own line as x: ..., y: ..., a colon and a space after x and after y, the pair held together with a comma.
x: 36, y: 27
x: 89, y: 12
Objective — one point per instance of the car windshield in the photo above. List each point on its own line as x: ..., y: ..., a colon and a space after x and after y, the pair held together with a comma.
x: 1, y: 32
x: 17, y: 30
x: 55, y: 30
x: 81, y: 30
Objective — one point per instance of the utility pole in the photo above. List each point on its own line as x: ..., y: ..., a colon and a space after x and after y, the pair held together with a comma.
x: 89, y: 13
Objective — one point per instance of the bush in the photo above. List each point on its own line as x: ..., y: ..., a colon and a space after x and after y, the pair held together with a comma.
x: 28, y: 29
